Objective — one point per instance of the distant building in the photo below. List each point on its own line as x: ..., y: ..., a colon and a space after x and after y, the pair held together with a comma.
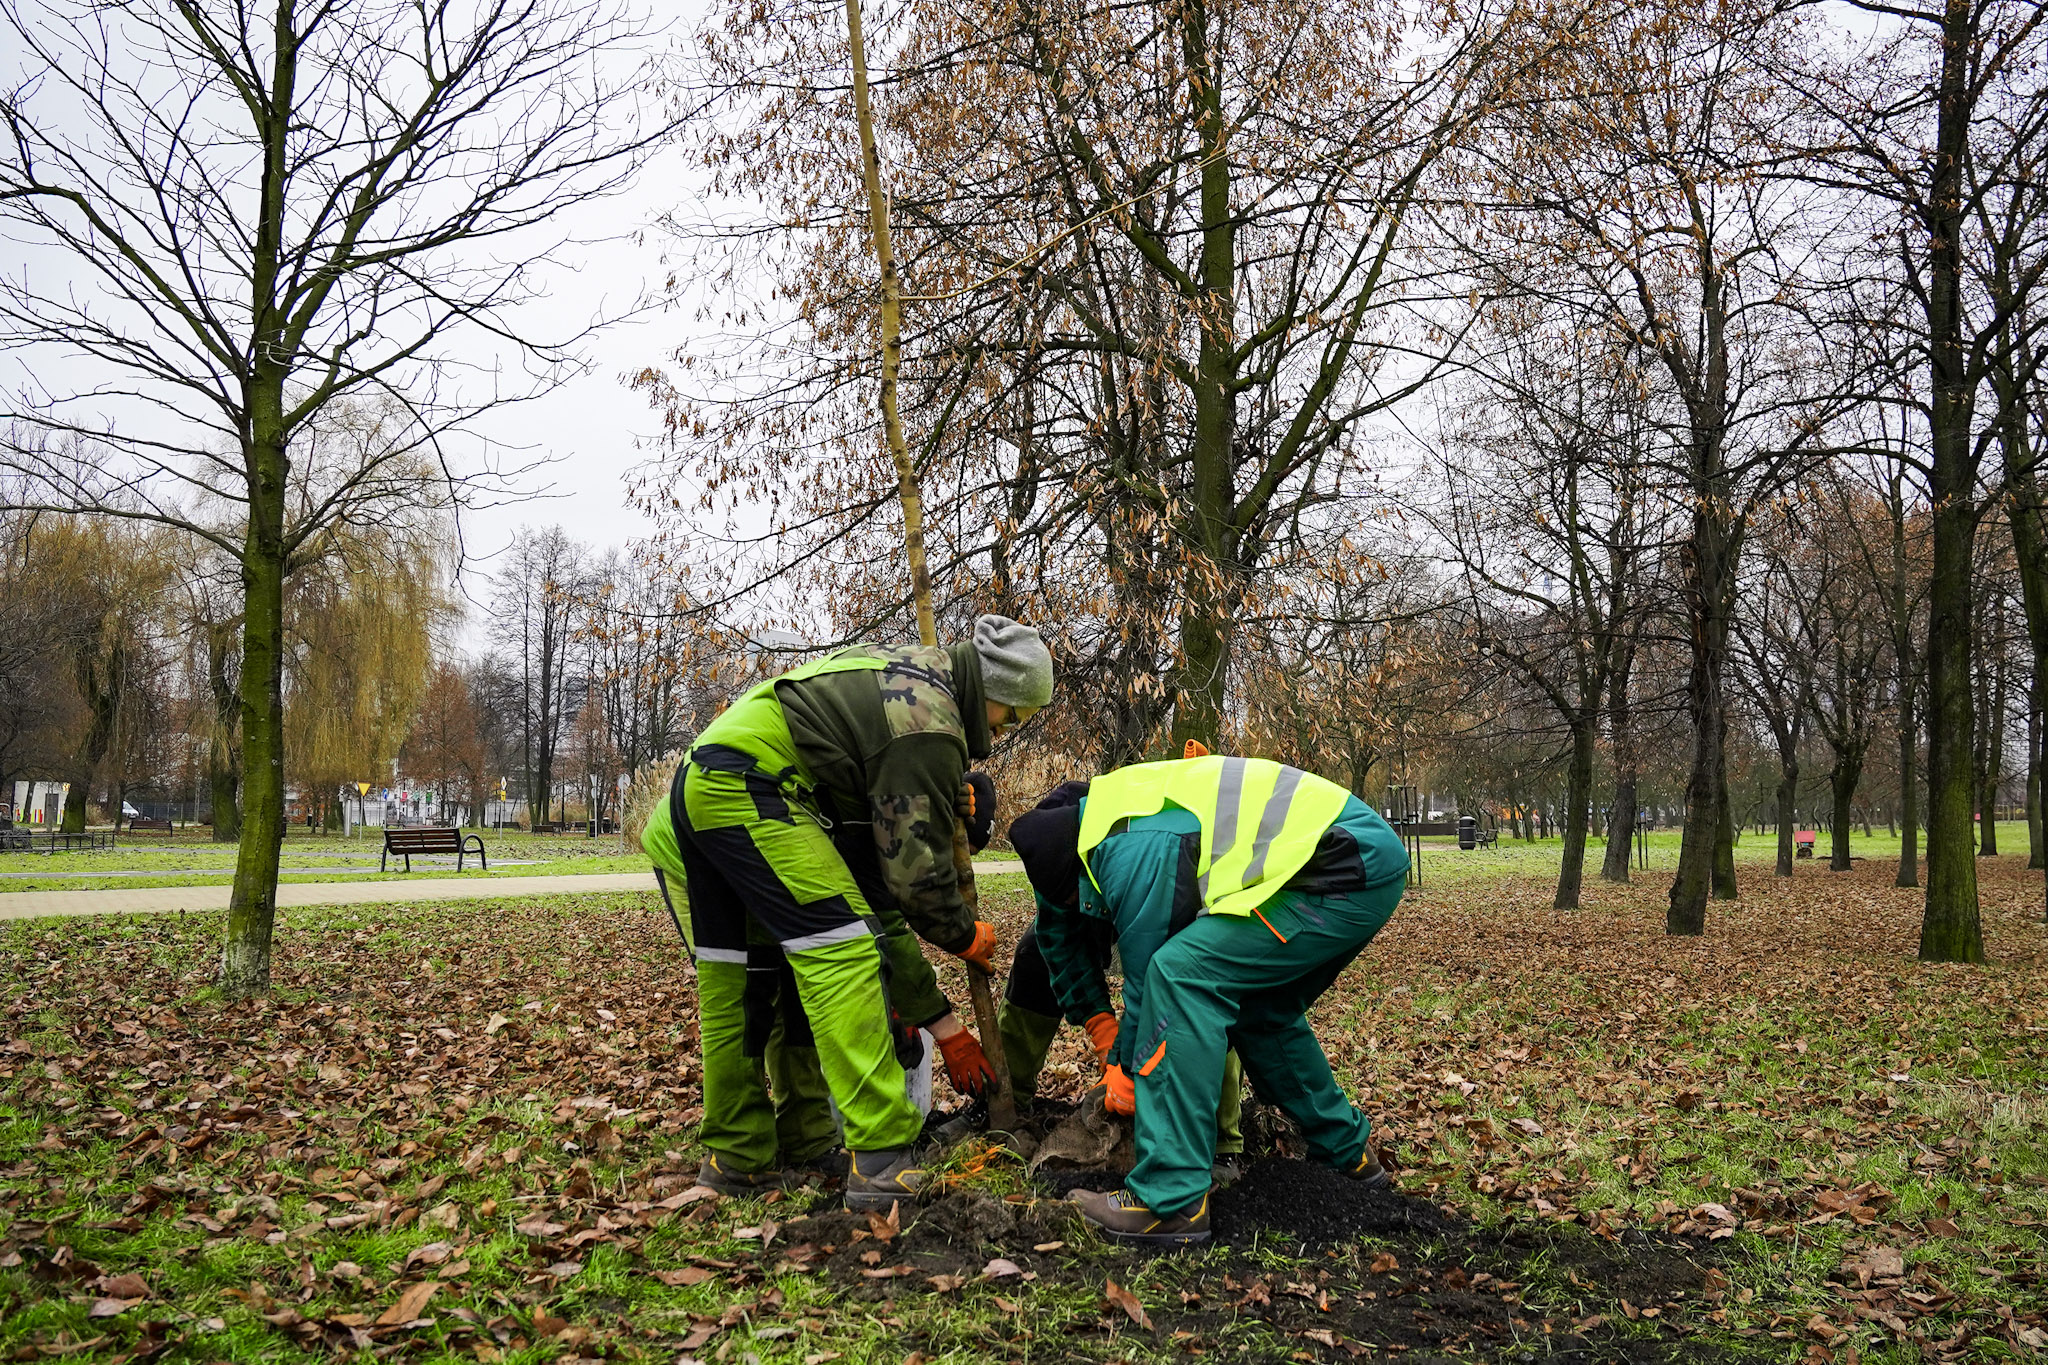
x: 37, y: 804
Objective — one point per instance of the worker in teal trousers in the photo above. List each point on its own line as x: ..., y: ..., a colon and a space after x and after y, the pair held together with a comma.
x: 1236, y: 891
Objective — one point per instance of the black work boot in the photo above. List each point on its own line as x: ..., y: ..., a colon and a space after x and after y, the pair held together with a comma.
x: 1119, y: 1216
x: 715, y: 1174
x: 879, y: 1179
x: 1368, y: 1172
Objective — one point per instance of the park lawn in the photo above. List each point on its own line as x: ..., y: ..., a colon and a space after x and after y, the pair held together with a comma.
x: 191, y: 864
x: 1755, y: 854
x: 497, y: 1099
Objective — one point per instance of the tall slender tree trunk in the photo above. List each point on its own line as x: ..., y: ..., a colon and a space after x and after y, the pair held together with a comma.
x: 223, y: 745
x: 1578, y: 803
x: 2035, y: 858
x: 1989, y: 755
x: 1205, y: 637
x: 1951, y: 928
x: 1788, y: 793
x: 2028, y: 519
x: 1706, y: 708
x: 1621, y: 825
x: 1621, y: 832
x: 1903, y: 660
x: 1724, y: 824
x: 252, y: 904
x: 1842, y: 782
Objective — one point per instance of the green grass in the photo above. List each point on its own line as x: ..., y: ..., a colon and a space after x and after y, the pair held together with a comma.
x: 209, y: 864
x: 1511, y: 857
x: 1793, y: 1054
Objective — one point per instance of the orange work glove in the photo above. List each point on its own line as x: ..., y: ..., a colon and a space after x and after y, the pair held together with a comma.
x: 1119, y: 1095
x: 1194, y: 748
x: 981, y: 948
x: 1102, y: 1033
x: 966, y: 1065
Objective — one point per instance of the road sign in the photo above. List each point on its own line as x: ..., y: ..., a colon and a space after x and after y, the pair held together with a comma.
x: 362, y: 789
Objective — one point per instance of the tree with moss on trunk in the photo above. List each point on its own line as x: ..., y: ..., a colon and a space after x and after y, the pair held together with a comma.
x: 249, y: 213
x: 1937, y: 118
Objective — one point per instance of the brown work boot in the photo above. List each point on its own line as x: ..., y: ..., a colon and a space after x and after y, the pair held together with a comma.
x: 715, y: 1174
x: 879, y: 1179
x: 1120, y: 1217
x: 1368, y: 1172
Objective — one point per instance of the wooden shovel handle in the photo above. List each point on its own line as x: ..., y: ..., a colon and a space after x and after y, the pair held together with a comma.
x: 1002, y: 1105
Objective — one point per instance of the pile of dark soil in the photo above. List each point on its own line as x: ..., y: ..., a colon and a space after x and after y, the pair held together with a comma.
x: 1314, y: 1205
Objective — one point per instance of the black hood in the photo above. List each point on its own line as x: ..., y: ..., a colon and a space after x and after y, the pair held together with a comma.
x: 1048, y: 838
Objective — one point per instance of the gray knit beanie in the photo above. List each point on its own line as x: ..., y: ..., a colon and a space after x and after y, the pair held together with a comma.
x: 1016, y: 667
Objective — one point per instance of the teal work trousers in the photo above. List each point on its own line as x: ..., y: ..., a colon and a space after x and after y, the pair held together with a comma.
x: 1245, y: 982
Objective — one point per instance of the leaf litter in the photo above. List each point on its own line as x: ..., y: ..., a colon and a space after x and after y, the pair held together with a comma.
x: 404, y: 1069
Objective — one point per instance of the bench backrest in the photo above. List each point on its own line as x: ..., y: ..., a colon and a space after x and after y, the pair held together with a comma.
x: 145, y: 822
x: 428, y: 839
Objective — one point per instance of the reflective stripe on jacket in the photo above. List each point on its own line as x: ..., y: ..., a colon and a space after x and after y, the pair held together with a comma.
x: 1261, y: 821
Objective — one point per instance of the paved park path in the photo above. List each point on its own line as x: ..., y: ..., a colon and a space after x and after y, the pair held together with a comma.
x: 293, y: 895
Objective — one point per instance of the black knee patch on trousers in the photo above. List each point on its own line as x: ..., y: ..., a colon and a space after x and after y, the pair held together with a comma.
x: 771, y: 993
x: 755, y: 889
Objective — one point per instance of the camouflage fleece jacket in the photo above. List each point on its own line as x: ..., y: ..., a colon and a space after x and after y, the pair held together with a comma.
x: 891, y: 746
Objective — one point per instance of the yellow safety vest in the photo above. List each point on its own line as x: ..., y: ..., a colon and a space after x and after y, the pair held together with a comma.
x: 1261, y: 820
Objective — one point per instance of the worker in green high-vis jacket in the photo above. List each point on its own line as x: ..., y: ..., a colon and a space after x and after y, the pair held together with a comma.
x: 848, y: 769
x: 1235, y: 890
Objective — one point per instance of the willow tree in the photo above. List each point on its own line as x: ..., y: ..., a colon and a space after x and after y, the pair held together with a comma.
x: 246, y: 214
x: 360, y: 625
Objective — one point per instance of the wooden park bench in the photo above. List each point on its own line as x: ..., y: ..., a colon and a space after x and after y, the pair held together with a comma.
x: 432, y: 839
x: 142, y: 824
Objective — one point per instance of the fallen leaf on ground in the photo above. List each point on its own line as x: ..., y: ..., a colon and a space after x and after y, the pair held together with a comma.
x: 1120, y: 1297
x: 433, y: 1253
x: 409, y: 1304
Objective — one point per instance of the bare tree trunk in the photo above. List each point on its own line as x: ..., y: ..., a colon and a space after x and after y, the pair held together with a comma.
x: 1724, y: 825
x: 1951, y: 927
x: 252, y: 905
x: 1205, y: 643
x: 1989, y: 750
x: 1699, y: 874
x: 1621, y: 832
x: 1578, y: 801
x: 1842, y: 785
x: 2035, y: 858
x: 1788, y: 793
x: 223, y: 747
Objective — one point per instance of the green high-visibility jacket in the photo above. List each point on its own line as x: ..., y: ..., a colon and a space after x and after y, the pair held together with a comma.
x: 880, y: 736
x: 875, y: 739
x: 1144, y: 880
x: 1260, y: 821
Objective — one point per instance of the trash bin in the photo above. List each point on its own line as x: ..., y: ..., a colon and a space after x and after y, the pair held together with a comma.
x: 1468, y: 832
